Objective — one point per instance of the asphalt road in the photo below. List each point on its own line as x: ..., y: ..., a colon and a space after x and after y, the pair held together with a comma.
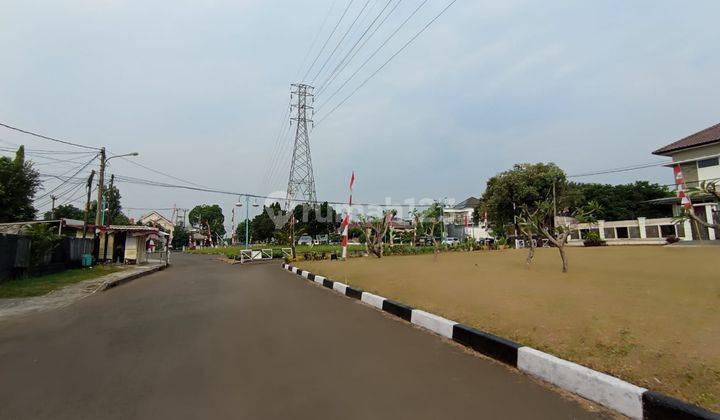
x: 206, y: 340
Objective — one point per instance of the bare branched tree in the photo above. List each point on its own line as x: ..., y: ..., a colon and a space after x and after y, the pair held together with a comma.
x: 540, y: 219
x: 375, y: 230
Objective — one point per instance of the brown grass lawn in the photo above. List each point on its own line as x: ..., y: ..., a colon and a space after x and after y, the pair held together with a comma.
x: 649, y: 315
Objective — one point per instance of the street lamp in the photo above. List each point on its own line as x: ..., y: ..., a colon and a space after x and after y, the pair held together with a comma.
x: 247, y: 217
x: 125, y: 155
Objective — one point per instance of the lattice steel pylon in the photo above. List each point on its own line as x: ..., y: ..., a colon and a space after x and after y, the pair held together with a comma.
x: 301, y: 183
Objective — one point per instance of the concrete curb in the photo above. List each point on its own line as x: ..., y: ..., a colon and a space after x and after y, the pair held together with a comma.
x: 609, y: 391
x: 128, y: 277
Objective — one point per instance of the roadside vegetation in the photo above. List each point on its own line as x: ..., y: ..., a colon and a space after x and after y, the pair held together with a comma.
x: 38, y: 286
x: 645, y: 314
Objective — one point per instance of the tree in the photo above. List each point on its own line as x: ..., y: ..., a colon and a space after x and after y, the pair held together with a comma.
x: 114, y: 215
x: 65, y: 211
x: 428, y: 222
x: 208, y: 217
x: 43, y: 240
x: 18, y: 184
x: 704, y: 190
x: 180, y: 237
x: 523, y: 185
x: 316, y: 220
x: 263, y: 226
x: 375, y: 231
x: 540, y: 218
x: 620, y: 202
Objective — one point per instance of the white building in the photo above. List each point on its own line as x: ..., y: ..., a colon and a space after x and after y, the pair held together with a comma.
x: 458, y: 221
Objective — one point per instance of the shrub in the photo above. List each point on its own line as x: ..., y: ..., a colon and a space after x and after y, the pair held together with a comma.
x: 43, y: 240
x: 593, y: 239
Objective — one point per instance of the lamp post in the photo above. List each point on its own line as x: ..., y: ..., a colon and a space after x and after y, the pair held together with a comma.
x: 247, y: 217
x: 100, y: 212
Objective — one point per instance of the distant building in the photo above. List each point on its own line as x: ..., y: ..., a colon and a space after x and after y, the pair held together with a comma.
x: 699, y: 158
x: 157, y: 220
x: 458, y: 221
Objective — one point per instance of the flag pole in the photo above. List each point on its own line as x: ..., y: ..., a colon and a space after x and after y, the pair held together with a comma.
x: 346, y: 220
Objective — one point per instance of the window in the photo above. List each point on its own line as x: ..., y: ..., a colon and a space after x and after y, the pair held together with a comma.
x: 706, y: 163
x: 622, y: 232
x: 667, y: 230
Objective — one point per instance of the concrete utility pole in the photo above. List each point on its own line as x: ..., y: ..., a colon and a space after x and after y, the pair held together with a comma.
x: 101, y: 182
x: 101, y: 188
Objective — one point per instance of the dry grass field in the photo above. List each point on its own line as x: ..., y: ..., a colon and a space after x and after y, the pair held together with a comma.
x: 649, y: 315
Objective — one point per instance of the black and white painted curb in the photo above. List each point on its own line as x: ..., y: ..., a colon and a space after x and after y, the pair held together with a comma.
x: 609, y: 391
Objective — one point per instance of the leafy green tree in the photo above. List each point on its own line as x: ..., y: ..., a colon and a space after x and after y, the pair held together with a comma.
x: 523, y: 185
x: 180, y: 237
x: 263, y: 227
x: 206, y: 215
x: 320, y: 220
x: 65, y: 211
x: 240, y: 231
x: 43, y: 240
x: 620, y: 202
x: 114, y: 214
x: 18, y: 184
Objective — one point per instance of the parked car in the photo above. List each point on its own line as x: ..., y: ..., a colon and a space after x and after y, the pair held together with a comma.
x: 305, y: 240
x: 450, y: 240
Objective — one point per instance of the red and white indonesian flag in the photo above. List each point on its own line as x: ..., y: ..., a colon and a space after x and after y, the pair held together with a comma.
x: 345, y: 225
x: 680, y: 182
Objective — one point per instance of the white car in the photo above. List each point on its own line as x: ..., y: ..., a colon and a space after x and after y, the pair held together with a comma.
x: 305, y: 240
x: 451, y: 241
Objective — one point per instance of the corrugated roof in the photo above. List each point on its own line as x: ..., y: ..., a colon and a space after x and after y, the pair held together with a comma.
x: 130, y: 228
x: 706, y: 136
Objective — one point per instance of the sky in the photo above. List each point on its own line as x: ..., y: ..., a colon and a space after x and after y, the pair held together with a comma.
x: 199, y: 89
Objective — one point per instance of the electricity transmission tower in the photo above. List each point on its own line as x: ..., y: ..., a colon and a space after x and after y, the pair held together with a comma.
x: 301, y: 184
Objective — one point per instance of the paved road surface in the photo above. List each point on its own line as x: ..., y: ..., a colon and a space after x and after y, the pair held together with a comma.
x: 206, y: 340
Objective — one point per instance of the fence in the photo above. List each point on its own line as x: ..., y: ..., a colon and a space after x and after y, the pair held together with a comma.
x: 15, y: 252
x: 14, y: 255
x: 629, y: 232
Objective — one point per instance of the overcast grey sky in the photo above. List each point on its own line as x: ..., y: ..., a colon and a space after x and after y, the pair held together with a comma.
x: 199, y: 87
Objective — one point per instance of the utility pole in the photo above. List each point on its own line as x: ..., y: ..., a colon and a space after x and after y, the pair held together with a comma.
x: 52, y: 213
x: 106, y: 217
x: 301, y: 183
x: 87, y: 202
x: 101, y: 187
x: 106, y: 214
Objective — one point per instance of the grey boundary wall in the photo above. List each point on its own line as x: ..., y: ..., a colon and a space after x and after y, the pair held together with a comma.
x: 609, y: 391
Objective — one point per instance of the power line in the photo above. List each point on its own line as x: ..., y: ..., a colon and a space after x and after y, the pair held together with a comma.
x: 47, y: 138
x: 345, y: 61
x: 388, y: 60
x: 140, y: 181
x: 617, y: 170
x: 273, y: 157
x: 327, y: 60
x: 322, y: 49
x: 317, y: 36
x: 157, y: 172
x: 71, y: 176
x: 367, y: 60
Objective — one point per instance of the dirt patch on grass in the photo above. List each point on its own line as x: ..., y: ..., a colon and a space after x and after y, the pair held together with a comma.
x: 649, y: 315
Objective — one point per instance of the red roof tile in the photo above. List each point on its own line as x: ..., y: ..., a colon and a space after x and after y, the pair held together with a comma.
x: 708, y: 135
